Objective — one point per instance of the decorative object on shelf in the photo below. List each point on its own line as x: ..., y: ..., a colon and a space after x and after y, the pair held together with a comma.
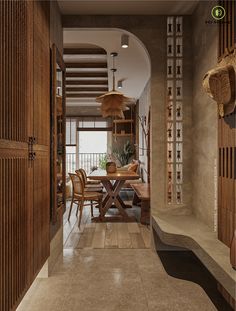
x: 219, y: 83
x: 111, y: 167
x: 113, y: 103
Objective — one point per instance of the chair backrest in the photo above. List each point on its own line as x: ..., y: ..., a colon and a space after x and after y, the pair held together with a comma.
x: 83, y: 175
x: 77, y: 183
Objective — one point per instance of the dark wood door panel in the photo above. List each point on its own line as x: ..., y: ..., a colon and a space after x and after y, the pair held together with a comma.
x: 14, y: 82
x: 24, y: 113
x: 15, y: 230
x: 41, y: 78
x: 41, y: 209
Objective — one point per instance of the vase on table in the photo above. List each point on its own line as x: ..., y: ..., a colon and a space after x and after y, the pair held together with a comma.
x: 111, y: 167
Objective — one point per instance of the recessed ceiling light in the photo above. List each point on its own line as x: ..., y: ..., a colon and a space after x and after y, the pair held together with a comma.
x: 125, y: 41
x: 119, y: 84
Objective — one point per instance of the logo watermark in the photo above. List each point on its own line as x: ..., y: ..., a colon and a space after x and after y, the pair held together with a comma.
x: 218, y: 12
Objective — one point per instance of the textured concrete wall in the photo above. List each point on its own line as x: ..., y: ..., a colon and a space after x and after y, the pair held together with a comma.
x: 205, y: 43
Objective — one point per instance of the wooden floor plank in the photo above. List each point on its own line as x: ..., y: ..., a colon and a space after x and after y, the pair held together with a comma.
x: 124, y: 240
x: 137, y: 240
x: 146, y: 235
x: 133, y: 227
x: 86, y: 238
x: 103, y: 235
x: 73, y: 240
x: 111, y: 238
x: 99, y: 235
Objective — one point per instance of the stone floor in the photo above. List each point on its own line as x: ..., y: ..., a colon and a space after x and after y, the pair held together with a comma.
x: 111, y: 279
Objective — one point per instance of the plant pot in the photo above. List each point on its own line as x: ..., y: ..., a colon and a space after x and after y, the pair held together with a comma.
x: 111, y: 167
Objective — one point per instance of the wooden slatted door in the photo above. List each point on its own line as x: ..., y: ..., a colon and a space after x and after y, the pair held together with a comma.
x: 24, y: 146
x: 41, y: 122
x: 15, y: 168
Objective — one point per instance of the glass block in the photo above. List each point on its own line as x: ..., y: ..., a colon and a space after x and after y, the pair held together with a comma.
x: 170, y: 173
x: 170, y: 110
x: 170, y: 46
x: 179, y: 26
x: 179, y: 111
x: 179, y: 47
x: 169, y: 193
x: 170, y: 26
x: 170, y: 68
x: 170, y: 131
x: 178, y: 68
x: 179, y: 152
x: 170, y: 153
x: 179, y: 131
x: 179, y: 173
x: 170, y: 89
x: 179, y: 89
x: 179, y: 194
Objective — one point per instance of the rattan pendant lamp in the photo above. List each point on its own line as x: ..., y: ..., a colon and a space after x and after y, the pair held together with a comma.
x: 113, y: 103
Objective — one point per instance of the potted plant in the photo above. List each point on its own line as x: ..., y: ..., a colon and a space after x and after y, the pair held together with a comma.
x: 124, y: 155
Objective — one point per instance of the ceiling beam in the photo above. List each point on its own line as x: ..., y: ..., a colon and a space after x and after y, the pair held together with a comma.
x: 86, y: 74
x: 84, y: 95
x: 86, y: 89
x: 84, y: 51
x: 87, y: 82
x: 86, y: 65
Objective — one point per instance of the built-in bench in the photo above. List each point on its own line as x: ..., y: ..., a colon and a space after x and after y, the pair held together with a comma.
x: 190, y: 233
x: 142, y: 198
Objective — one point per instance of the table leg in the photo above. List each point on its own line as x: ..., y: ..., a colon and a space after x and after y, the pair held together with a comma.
x: 113, y: 197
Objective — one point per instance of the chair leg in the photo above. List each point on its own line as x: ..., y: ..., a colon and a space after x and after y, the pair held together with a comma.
x: 91, y: 208
x: 80, y: 212
x: 77, y: 210
x: 71, y: 204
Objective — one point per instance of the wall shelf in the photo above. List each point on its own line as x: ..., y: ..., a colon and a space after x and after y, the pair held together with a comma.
x: 123, y: 121
x: 124, y: 135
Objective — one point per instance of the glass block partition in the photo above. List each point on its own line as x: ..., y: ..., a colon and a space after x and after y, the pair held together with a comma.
x: 174, y: 110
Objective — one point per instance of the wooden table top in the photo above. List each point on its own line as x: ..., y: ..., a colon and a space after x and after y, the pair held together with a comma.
x: 119, y: 175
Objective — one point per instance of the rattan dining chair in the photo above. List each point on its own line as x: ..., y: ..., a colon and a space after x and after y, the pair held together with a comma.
x: 89, y: 182
x: 79, y: 196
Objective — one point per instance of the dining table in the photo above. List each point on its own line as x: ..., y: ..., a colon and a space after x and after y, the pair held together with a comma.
x: 113, y: 182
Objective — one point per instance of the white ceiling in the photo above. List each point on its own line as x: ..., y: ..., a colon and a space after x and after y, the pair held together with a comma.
x: 133, y: 65
x: 127, y: 7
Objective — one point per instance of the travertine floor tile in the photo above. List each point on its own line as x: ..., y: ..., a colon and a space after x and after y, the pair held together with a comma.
x: 113, y: 280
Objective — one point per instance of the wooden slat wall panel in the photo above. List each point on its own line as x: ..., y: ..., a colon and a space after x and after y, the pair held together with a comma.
x: 227, y: 30
x: 41, y: 119
x: 24, y: 112
x: 227, y: 178
x: 13, y: 32
x: 41, y: 214
x: 14, y: 233
x: 42, y: 72
x: 15, y: 211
